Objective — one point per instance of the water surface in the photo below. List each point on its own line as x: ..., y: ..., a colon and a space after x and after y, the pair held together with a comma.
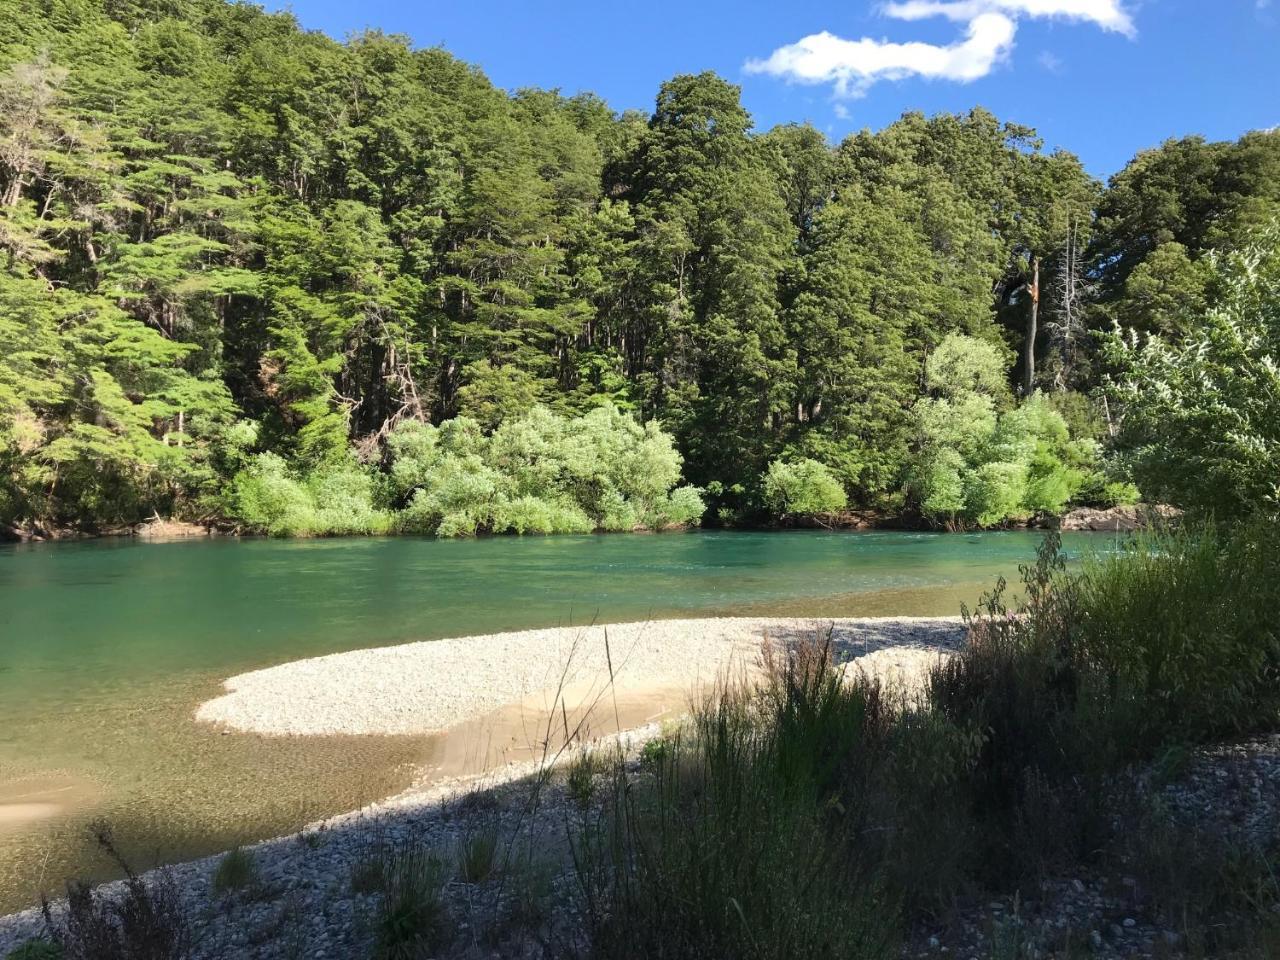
x: 107, y: 646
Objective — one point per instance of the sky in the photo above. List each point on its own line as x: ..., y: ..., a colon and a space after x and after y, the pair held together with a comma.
x: 1102, y: 78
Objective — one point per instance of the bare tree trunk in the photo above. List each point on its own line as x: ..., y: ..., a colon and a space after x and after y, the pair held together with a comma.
x: 1033, y: 321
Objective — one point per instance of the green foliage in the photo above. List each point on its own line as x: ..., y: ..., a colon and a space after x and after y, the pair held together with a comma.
x: 803, y: 487
x: 212, y: 217
x: 1181, y: 622
x: 541, y: 473
x: 963, y: 366
x: 976, y: 465
x: 330, y: 500
x: 236, y: 871
x: 1202, y: 418
x: 1165, y: 642
x: 36, y: 950
x: 723, y: 846
x: 831, y: 816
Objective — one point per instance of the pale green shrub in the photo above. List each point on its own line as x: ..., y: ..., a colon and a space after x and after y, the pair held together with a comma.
x: 539, y: 473
x: 802, y: 487
x: 331, y: 499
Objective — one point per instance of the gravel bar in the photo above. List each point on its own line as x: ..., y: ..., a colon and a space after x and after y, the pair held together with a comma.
x: 428, y: 687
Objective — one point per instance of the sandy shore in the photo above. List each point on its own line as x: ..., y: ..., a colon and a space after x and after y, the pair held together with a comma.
x: 433, y: 686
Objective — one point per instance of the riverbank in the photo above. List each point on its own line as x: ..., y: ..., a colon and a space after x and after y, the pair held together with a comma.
x: 514, y: 703
x: 1120, y: 519
x: 501, y: 845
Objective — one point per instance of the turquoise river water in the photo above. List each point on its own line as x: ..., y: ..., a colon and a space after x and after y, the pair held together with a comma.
x: 107, y: 646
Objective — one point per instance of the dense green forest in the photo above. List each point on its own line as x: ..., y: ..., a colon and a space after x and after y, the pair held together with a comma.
x: 256, y: 275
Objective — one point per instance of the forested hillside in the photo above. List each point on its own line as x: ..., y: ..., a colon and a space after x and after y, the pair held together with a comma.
x: 244, y: 265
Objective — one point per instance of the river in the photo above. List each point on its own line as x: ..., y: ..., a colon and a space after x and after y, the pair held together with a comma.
x: 107, y: 646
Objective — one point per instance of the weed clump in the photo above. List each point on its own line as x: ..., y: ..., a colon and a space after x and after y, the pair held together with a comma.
x: 412, y: 919
x: 236, y: 871
x: 476, y: 854
x: 147, y: 921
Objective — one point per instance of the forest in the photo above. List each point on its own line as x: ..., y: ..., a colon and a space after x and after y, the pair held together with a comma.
x: 254, y: 276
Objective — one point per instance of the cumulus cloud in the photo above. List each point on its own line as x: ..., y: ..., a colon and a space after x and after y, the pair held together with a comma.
x: 852, y: 66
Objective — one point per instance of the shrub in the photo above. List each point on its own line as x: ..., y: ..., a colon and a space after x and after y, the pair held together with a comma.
x: 962, y: 366
x: 331, y: 499
x: 802, y: 487
x: 265, y: 496
x: 979, y: 461
x: 539, y: 473
x: 995, y: 492
x: 809, y: 816
x: 343, y: 497
x: 1183, y: 622
x: 973, y: 466
x: 533, y: 515
x: 683, y: 506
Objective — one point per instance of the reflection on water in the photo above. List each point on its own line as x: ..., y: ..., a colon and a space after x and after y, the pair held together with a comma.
x: 106, y: 647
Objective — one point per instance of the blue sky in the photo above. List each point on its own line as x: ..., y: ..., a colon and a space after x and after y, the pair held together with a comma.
x: 1104, y: 78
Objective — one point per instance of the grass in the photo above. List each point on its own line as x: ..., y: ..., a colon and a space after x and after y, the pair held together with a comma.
x: 236, y: 871
x: 412, y: 919
x: 476, y: 854
x: 727, y: 852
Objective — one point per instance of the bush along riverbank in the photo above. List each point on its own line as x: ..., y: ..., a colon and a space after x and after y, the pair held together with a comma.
x: 1057, y: 788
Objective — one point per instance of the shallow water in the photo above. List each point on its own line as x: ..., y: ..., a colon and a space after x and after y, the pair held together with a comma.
x: 107, y: 646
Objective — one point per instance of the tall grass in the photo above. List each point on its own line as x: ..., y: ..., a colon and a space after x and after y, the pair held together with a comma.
x: 817, y: 814
x: 1184, y: 624
x: 724, y: 849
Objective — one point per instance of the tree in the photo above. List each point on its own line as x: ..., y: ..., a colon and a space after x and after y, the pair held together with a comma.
x: 1202, y: 418
x: 978, y: 460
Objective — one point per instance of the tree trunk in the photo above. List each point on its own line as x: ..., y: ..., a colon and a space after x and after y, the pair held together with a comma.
x: 1033, y: 320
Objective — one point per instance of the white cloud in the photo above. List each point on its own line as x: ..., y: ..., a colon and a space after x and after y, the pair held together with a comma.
x: 853, y: 65
x: 1108, y: 14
